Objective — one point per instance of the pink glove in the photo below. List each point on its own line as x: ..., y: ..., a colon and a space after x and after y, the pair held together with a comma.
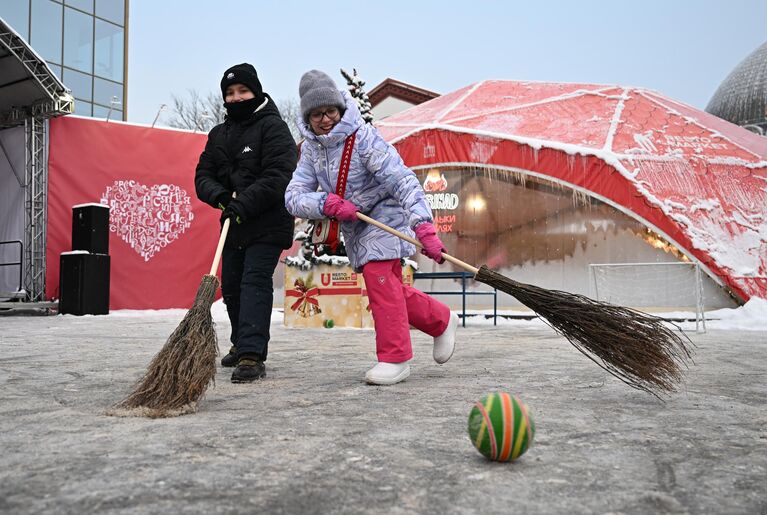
x: 340, y: 209
x: 432, y: 246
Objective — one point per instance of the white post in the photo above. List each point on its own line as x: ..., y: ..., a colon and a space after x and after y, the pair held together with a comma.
x: 701, y: 303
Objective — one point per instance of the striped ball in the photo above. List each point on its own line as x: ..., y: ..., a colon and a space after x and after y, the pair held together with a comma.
x: 501, y: 427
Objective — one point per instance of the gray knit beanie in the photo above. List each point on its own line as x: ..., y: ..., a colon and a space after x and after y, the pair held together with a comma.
x: 317, y: 89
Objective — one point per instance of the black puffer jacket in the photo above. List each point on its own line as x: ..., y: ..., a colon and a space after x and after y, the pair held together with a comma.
x: 255, y: 158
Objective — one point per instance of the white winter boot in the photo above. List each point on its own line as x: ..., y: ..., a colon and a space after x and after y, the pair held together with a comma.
x: 444, y: 344
x: 388, y: 373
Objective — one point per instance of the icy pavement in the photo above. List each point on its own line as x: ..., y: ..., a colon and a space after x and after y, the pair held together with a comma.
x: 313, y: 438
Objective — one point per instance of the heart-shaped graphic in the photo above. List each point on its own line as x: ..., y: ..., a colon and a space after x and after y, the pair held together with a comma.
x: 148, y: 218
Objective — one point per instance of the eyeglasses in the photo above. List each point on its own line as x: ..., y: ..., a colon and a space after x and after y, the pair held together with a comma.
x: 330, y: 112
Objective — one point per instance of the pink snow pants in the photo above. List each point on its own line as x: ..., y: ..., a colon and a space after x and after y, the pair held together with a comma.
x: 397, y: 306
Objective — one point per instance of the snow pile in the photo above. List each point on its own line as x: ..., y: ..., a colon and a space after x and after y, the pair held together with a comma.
x: 301, y: 262
x: 752, y: 316
x: 217, y: 310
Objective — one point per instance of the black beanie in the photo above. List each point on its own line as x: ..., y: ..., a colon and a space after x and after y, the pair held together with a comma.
x: 242, y: 74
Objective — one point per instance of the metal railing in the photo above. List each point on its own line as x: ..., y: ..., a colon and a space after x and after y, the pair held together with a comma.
x: 463, y: 276
x: 18, y: 263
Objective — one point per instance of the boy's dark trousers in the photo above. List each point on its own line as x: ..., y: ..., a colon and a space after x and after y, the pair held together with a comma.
x: 246, y: 283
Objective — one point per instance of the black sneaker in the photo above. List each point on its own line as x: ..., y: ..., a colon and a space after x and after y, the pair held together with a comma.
x: 248, y: 370
x: 230, y: 360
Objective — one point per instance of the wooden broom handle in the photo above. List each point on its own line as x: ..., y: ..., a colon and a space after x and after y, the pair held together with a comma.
x: 221, y: 241
x: 220, y: 247
x: 415, y: 242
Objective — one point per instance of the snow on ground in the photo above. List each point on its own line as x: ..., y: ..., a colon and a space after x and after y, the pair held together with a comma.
x: 752, y: 316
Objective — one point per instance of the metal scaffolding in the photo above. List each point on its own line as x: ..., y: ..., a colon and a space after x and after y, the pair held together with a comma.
x: 30, y: 94
x: 35, y: 208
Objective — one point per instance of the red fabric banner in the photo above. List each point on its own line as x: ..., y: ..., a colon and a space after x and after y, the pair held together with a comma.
x: 162, y: 239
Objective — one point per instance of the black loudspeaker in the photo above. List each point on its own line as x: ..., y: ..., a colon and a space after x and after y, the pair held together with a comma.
x: 84, y: 283
x: 90, y: 228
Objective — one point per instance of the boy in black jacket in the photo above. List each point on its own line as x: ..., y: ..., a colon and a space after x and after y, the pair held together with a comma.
x: 253, y: 155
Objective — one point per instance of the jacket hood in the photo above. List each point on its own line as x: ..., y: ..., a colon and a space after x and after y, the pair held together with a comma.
x: 350, y: 122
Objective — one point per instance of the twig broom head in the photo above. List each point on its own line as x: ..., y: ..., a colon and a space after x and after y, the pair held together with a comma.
x: 635, y: 347
x: 179, y: 374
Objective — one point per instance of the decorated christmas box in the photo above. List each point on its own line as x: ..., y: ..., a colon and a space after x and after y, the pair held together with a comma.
x: 323, y: 296
x: 322, y: 289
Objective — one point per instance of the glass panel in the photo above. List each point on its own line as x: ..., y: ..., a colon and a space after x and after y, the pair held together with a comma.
x: 56, y: 69
x: 45, y: 35
x: 78, y: 40
x: 80, y: 84
x: 83, y: 5
x: 83, y: 108
x: 102, y: 112
x: 104, y: 90
x: 16, y: 14
x: 109, y: 51
x: 530, y: 229
x: 112, y: 10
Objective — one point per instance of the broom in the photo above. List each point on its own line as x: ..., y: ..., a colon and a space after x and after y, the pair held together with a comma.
x: 179, y: 374
x: 635, y: 347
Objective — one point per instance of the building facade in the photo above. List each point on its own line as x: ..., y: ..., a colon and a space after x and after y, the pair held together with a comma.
x: 393, y: 96
x: 84, y: 42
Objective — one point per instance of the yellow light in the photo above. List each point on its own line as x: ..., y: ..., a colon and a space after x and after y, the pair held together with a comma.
x: 476, y: 203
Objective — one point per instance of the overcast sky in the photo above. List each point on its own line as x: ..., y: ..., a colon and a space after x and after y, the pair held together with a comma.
x: 681, y: 48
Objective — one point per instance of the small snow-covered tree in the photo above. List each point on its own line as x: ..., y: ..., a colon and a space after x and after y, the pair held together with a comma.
x: 356, y: 84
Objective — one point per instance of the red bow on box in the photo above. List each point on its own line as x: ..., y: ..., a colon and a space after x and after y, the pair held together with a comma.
x: 305, y: 296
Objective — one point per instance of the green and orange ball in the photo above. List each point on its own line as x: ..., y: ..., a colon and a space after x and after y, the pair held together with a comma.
x: 501, y: 427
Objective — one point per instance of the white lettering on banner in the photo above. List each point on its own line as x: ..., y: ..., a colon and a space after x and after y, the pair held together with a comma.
x: 692, y: 142
x: 338, y: 279
x: 442, y: 200
x: 148, y: 218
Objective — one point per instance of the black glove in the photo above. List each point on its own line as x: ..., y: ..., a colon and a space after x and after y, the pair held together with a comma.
x: 235, y: 211
x: 223, y: 200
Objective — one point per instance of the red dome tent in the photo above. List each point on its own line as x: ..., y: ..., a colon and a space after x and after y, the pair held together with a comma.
x: 697, y: 180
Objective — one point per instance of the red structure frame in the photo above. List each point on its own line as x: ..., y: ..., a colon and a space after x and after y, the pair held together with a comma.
x: 697, y: 180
